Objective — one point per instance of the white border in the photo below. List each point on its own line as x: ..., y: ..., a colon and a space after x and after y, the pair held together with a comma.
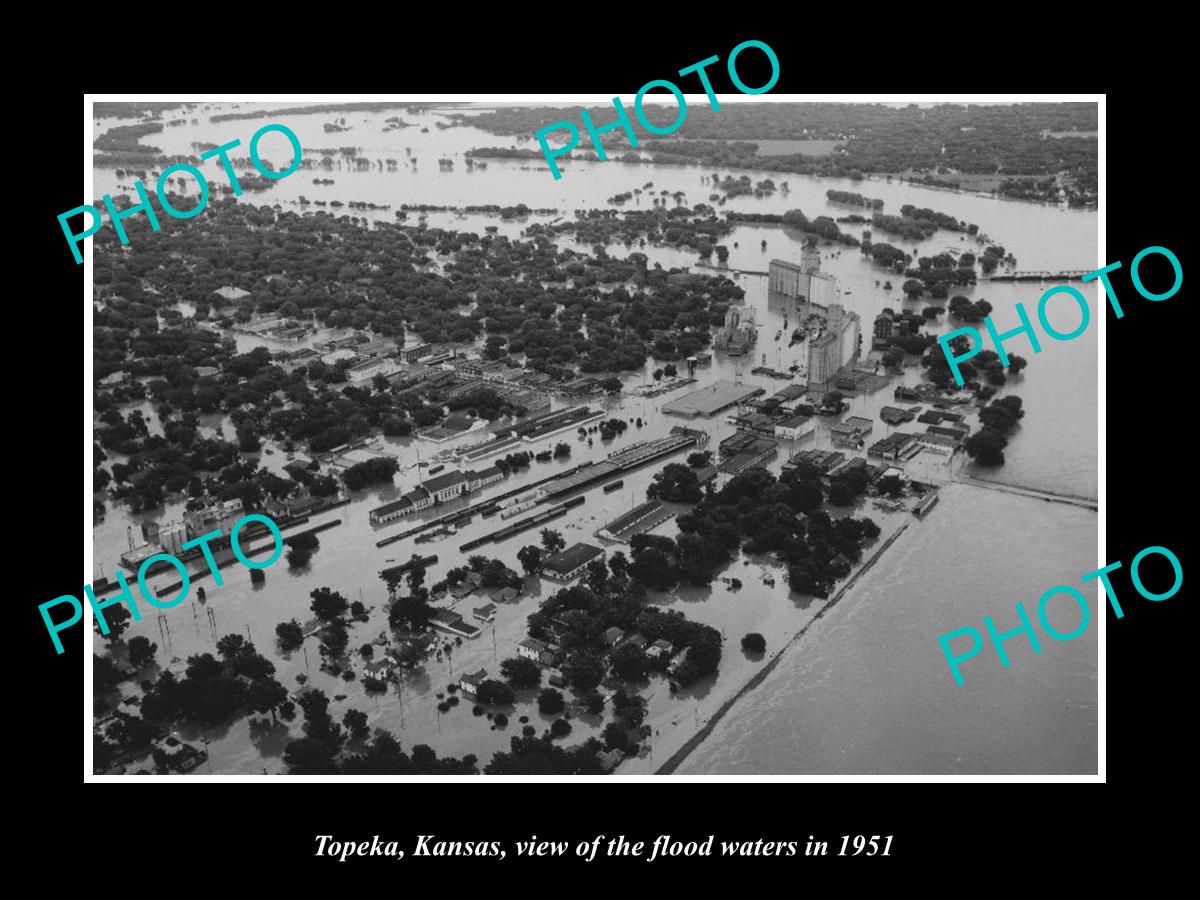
x: 1101, y: 257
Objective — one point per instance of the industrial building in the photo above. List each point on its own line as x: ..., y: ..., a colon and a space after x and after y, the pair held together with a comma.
x: 708, y: 401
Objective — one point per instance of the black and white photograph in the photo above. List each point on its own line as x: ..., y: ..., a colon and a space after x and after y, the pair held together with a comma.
x: 515, y: 435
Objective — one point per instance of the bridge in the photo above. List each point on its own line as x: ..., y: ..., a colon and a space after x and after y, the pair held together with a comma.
x: 727, y: 269
x: 1041, y: 275
x: 1048, y: 496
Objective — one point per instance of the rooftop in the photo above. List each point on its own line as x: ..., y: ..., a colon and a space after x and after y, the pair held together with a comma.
x: 572, y: 558
x: 711, y: 399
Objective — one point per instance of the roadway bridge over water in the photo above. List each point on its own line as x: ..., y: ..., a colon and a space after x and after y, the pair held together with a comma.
x: 1042, y: 275
x: 1049, y: 496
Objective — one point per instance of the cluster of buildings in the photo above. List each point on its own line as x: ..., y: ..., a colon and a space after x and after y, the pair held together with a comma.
x: 739, y: 332
x: 438, y: 489
x: 792, y: 289
x: 170, y: 537
x: 836, y: 347
x: 889, y: 325
x: 744, y: 450
x: 833, y: 463
x: 803, y: 291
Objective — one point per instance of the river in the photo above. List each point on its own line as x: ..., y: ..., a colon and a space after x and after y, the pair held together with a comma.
x: 867, y: 691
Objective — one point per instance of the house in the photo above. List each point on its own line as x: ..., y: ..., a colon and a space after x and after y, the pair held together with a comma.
x: 790, y: 397
x: 379, y: 669
x: 506, y: 595
x: 754, y: 422
x: 613, y: 636
x: 824, y: 461
x: 462, y: 589
x: 569, y: 564
x: 659, y: 648
x: 794, y: 428
x: 336, y: 356
x: 485, y: 613
x: 899, y: 445
x: 638, y: 641
x: 937, y: 443
x: 548, y: 657
x: 531, y: 648
x: 423, y: 642
x: 470, y: 682
x: 450, y: 622
x: 610, y: 759
x: 893, y: 415
x: 954, y: 431
x: 851, y: 432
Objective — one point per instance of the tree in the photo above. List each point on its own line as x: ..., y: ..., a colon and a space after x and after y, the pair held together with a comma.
x: 618, y: 564
x: 105, y: 674
x: 670, y: 371
x: 309, y: 756
x: 630, y: 662
x: 530, y: 558
x: 356, y: 723
x: 615, y: 737
x: 521, y: 672
x: 1016, y: 363
x: 141, y: 651
x: 416, y: 573
x: 396, y: 426
x: 290, y: 635
x: 552, y: 541
x: 699, y: 459
x: 611, y: 385
x: 231, y: 646
x: 495, y: 693
x: 550, y: 702
x: 412, y: 612
x: 986, y: 447
x: 118, y: 619
x: 328, y: 604
x: 832, y: 400
x: 675, y: 483
x: 754, y: 643
x: 562, y: 450
x: 560, y: 728
x: 266, y: 695
x: 892, y: 485
x: 584, y: 670
x: 335, y: 638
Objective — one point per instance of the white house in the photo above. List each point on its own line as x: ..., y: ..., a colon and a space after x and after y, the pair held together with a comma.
x: 531, y: 648
x: 471, y: 681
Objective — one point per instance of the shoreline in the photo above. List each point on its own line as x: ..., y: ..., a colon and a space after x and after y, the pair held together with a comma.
x: 678, y: 757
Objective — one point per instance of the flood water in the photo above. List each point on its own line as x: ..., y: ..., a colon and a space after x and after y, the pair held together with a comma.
x: 1055, y: 449
x: 867, y: 690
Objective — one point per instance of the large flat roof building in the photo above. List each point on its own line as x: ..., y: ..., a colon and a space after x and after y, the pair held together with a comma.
x: 567, y: 565
x: 710, y: 400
